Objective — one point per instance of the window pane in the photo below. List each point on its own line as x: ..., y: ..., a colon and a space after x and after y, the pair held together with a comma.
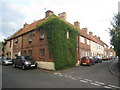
x: 42, y: 53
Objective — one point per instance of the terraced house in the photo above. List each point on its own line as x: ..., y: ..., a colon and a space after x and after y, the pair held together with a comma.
x: 54, y: 43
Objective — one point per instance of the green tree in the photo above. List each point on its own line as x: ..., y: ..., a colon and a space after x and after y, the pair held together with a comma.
x: 115, y: 34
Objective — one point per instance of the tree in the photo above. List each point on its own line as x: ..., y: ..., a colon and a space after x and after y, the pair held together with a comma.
x: 115, y: 34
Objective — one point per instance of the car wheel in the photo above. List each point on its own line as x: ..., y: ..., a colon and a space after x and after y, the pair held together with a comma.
x: 23, y: 67
x: 14, y: 65
x: 3, y: 63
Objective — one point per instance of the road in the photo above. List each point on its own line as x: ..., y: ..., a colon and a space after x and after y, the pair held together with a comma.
x: 96, y: 76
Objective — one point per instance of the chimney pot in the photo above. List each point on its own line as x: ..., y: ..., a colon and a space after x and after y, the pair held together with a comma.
x: 91, y: 33
x: 77, y: 24
x: 85, y: 30
x: 25, y: 25
x: 62, y: 16
x: 48, y: 13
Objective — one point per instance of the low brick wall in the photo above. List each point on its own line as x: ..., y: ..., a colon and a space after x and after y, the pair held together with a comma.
x: 46, y: 65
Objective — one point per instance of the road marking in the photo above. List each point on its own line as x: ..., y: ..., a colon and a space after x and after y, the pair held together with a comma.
x: 113, y: 86
x: 87, y: 81
x: 100, y: 83
x: 55, y: 73
x: 106, y: 87
x: 96, y: 84
x: 83, y: 81
x: 74, y: 78
x: 60, y: 75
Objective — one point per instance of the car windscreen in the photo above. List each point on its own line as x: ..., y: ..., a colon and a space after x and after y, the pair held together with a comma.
x: 27, y: 58
x: 84, y: 58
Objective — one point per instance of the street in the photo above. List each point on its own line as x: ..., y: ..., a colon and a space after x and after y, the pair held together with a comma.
x: 95, y: 76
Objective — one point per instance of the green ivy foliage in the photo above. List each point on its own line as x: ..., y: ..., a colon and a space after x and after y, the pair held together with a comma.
x: 63, y: 50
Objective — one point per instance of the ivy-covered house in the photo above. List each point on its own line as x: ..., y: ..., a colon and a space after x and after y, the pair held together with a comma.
x: 51, y: 41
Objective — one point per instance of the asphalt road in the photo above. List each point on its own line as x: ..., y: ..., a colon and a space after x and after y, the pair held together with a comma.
x: 96, y: 76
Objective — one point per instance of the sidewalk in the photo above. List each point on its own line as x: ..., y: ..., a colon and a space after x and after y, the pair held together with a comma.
x: 114, y: 68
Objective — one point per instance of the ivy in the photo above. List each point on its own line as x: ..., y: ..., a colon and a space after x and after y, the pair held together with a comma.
x: 63, y: 50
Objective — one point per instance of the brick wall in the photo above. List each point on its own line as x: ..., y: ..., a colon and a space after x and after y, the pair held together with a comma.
x: 24, y: 46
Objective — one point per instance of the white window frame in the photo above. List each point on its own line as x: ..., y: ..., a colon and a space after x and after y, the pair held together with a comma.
x: 82, y: 39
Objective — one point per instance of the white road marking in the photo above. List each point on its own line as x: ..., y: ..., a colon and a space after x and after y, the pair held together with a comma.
x: 96, y: 84
x: 83, y: 81
x: 107, y: 87
x: 55, y: 73
x: 87, y: 81
x: 100, y: 83
x: 74, y: 78
x: 60, y: 75
x: 113, y: 86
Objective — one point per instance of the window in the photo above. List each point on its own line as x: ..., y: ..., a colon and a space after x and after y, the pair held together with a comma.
x: 30, y: 52
x: 15, y: 41
x: 88, y: 42
x: 10, y: 43
x: 82, y: 40
x: 41, y: 35
x: 42, y: 53
x: 30, y: 37
x: 68, y: 35
x: 24, y: 53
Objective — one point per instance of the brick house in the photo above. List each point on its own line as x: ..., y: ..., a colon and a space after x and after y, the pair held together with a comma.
x: 31, y: 42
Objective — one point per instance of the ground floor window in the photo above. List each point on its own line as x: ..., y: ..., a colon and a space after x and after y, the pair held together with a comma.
x: 42, y: 54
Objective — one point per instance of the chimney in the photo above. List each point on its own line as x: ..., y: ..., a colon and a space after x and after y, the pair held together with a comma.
x: 77, y: 24
x: 48, y: 13
x: 25, y: 25
x: 85, y: 30
x: 90, y: 33
x: 62, y: 16
x: 99, y: 38
x: 95, y: 36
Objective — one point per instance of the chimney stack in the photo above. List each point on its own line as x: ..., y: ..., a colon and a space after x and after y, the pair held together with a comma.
x: 25, y: 25
x: 48, y: 13
x: 91, y: 33
x: 77, y: 24
x: 62, y: 16
x: 85, y: 30
x: 99, y: 38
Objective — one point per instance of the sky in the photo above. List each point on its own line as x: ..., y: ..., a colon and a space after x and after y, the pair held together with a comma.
x: 96, y: 15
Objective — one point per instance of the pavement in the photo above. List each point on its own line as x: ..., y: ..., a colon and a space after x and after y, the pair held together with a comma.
x: 114, y: 68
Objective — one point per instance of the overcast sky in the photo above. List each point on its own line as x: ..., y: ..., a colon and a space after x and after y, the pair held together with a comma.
x: 93, y: 14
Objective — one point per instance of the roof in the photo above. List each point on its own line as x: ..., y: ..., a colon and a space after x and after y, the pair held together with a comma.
x: 33, y: 25
x: 27, y: 29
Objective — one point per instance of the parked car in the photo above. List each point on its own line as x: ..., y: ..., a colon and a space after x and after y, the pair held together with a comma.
x: 0, y: 60
x: 6, y: 61
x: 87, y: 61
x: 105, y: 58
x: 97, y: 59
x: 24, y: 62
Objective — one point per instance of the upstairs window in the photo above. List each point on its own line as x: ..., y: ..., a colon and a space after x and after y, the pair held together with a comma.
x: 41, y: 35
x: 82, y: 40
x: 42, y: 54
x: 30, y: 37
x: 15, y: 41
x: 68, y: 35
x: 88, y: 42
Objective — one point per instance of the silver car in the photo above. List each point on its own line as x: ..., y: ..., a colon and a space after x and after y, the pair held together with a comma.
x: 6, y: 61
